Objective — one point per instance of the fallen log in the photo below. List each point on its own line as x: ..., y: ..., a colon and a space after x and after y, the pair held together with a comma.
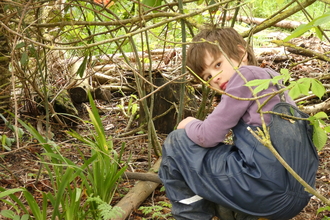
x: 102, y: 78
x: 253, y: 20
x: 142, y: 176
x: 137, y: 194
x: 103, y: 92
x: 313, y: 109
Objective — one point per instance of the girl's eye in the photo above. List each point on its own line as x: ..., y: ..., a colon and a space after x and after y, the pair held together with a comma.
x: 218, y: 65
x: 207, y: 78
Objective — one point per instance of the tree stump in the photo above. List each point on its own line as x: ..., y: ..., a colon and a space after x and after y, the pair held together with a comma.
x: 166, y: 102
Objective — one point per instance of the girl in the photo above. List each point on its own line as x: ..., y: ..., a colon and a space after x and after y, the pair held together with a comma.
x: 204, y: 177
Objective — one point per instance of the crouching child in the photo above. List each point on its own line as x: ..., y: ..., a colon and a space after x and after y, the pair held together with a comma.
x: 203, y: 176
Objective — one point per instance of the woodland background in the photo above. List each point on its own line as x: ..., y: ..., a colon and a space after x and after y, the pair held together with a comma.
x: 90, y: 89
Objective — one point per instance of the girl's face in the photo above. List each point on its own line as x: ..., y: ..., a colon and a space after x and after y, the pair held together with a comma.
x: 220, y: 70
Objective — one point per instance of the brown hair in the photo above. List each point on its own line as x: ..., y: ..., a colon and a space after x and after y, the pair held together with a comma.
x: 227, y: 38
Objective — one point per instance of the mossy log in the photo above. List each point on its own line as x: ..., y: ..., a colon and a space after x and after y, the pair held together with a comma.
x: 302, y: 51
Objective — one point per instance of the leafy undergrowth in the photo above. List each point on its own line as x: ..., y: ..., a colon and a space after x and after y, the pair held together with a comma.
x: 20, y: 166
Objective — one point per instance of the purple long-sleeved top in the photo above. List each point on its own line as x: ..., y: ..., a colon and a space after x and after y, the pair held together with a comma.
x: 226, y: 115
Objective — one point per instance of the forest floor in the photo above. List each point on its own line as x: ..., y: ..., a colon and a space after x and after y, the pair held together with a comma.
x: 23, y: 163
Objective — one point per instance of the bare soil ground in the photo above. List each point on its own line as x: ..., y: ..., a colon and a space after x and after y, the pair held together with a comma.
x: 20, y: 165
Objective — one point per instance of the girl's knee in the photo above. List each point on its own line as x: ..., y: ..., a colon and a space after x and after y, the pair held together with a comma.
x: 176, y: 138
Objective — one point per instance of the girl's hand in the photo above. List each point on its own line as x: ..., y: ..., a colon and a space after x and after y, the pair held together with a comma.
x: 184, y: 122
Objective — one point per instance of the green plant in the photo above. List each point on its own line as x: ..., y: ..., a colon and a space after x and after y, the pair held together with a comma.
x: 11, y: 215
x: 104, y: 171
x: 73, y: 184
x: 326, y: 208
x: 156, y: 210
x: 132, y: 107
x: 106, y: 210
x: 312, y: 25
x: 7, y: 142
x: 297, y: 88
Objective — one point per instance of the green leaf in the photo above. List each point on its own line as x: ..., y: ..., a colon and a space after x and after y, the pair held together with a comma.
x: 134, y: 108
x: 7, y: 213
x: 318, y: 33
x: 9, y: 192
x: 24, y: 59
x: 327, y: 129
x: 321, y: 115
x: 306, y: 27
x: 261, y: 84
x: 25, y: 217
x: 304, y: 87
x: 20, y: 45
x: 327, y: 208
x: 318, y: 88
x: 319, y: 137
x: 323, y: 19
x: 152, y: 3
x: 78, y: 194
x: 298, y: 32
x: 81, y: 70
x: 37, y: 213
x: 9, y: 141
x: 256, y: 82
x: 292, y: 111
x: 286, y: 75
x: 294, y: 92
x: 300, y: 87
x: 261, y: 87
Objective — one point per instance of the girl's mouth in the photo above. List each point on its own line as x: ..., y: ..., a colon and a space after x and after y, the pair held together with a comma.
x: 223, y: 86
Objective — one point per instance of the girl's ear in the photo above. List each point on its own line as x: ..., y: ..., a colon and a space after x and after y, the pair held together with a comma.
x: 244, y: 54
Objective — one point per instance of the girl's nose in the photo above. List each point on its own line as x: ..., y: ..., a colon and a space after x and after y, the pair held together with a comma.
x: 216, y: 78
